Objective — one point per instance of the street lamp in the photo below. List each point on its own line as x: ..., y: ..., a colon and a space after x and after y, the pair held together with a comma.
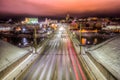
x: 35, y: 39
x: 80, y: 37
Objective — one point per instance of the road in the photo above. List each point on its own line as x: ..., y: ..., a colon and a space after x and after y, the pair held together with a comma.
x: 58, y: 61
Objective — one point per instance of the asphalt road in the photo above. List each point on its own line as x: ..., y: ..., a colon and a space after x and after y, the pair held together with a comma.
x: 58, y: 62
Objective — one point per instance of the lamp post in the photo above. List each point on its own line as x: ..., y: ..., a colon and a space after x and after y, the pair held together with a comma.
x: 80, y: 37
x: 35, y: 40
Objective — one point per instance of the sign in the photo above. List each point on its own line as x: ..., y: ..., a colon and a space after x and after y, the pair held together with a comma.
x: 31, y: 20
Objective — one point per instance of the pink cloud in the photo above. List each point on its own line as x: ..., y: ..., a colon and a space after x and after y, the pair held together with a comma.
x: 53, y: 7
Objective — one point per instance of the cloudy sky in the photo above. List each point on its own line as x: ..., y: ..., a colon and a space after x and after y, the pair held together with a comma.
x: 60, y: 7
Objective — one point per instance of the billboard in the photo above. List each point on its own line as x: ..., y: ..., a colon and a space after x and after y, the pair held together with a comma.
x: 31, y: 20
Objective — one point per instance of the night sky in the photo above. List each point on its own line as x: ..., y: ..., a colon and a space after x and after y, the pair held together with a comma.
x: 56, y: 8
